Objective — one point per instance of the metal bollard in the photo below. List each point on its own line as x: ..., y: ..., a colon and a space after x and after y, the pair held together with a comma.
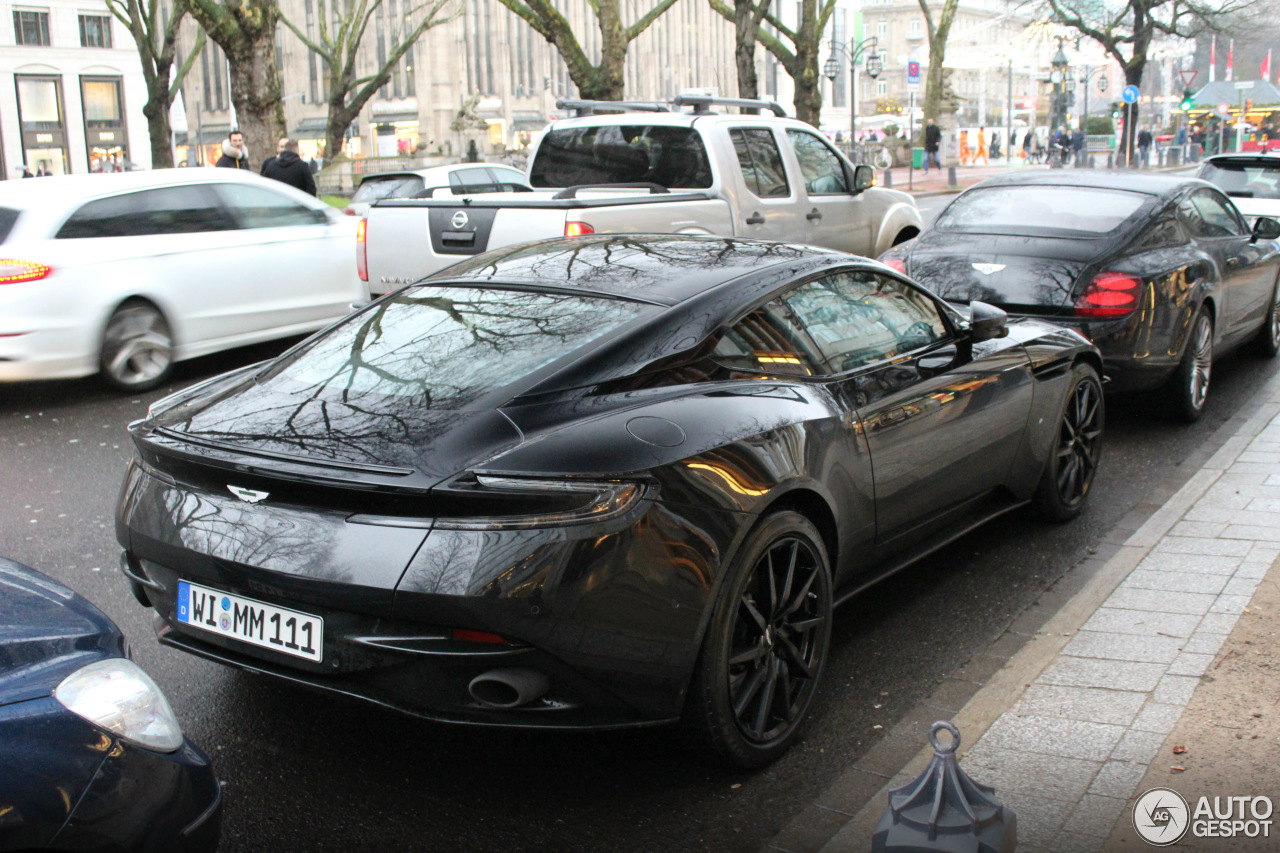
x: 952, y: 181
x: 943, y: 809
x: 1110, y: 158
x: 888, y: 178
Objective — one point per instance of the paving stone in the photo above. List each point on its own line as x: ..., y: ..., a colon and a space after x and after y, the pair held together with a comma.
x: 1207, y: 564
x: 1138, y: 747
x: 853, y: 790
x: 1144, y: 622
x: 1175, y: 689
x: 1251, y: 569
x: 952, y: 694
x: 1157, y: 717
x: 1250, y: 468
x: 1204, y: 643
x: 1218, y: 623
x: 1202, y: 546
x: 1241, y: 586
x: 1225, y: 499
x: 810, y: 831
x: 1251, y: 532
x: 1261, y: 504
x: 1091, y: 704
x: 1090, y: 672
x: 1007, y: 645
x: 1054, y: 736
x: 889, y: 756
x: 1117, y: 646
x: 1068, y: 841
x: 980, y: 669
x: 1264, y: 551
x: 1118, y: 779
x: 1095, y: 814
x: 1214, y: 514
x: 1207, y: 529
x: 1014, y: 772
x: 1161, y: 601
x: 1190, y: 664
x: 1234, y: 604
x: 1039, y: 818
x: 1175, y: 581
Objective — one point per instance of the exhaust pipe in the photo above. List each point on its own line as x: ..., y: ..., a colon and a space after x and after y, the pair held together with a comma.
x: 509, y: 688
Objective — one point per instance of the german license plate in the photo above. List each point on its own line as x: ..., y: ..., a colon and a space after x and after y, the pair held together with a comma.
x: 249, y: 621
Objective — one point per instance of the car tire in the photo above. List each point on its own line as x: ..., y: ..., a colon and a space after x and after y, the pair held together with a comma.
x: 1267, y: 343
x: 1189, y: 388
x: 1077, y: 446
x: 766, y: 645
x: 137, y: 348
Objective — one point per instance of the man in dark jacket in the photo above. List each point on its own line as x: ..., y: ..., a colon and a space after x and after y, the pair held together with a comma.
x: 267, y: 162
x: 932, y: 142
x: 288, y: 168
x: 234, y: 153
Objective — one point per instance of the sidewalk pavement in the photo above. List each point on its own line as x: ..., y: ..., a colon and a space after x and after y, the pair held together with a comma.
x: 1152, y: 664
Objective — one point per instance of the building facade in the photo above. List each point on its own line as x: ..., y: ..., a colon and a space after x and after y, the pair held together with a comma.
x: 71, y: 90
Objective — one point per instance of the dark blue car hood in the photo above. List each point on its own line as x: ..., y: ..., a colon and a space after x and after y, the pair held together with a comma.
x: 47, y: 631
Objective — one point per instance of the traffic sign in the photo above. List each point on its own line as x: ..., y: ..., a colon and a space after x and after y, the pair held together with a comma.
x: 1130, y: 94
x: 1244, y: 84
x: 1188, y: 77
x: 913, y: 72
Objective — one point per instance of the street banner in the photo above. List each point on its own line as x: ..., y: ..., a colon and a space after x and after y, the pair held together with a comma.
x: 1231, y: 51
x: 1266, y: 68
x: 1213, y: 59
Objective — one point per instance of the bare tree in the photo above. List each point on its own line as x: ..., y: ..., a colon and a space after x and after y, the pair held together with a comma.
x: 935, y: 81
x: 598, y: 81
x: 339, y: 46
x: 798, y: 50
x: 747, y: 17
x: 155, y: 32
x: 246, y: 32
x: 1126, y: 31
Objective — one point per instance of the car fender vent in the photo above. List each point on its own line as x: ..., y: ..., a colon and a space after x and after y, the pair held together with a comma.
x: 1051, y: 369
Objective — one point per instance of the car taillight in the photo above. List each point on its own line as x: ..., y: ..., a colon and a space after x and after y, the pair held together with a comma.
x: 577, y: 229
x: 349, y: 212
x: 362, y: 251
x: 1110, y: 294
x: 12, y: 272
x: 467, y: 635
x: 895, y: 264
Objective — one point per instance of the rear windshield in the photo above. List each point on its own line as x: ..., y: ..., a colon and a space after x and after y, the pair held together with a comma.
x: 1244, y: 179
x: 391, y: 186
x: 1015, y: 210
x: 8, y: 217
x: 444, y: 347
x: 622, y: 154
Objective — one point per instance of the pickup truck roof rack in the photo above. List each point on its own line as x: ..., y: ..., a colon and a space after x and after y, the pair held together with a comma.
x: 701, y: 104
x: 586, y: 108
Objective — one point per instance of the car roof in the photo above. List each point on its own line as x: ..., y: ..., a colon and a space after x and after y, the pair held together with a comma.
x: 665, y: 269
x: 1140, y: 182
x: 1258, y: 159
x: 71, y: 189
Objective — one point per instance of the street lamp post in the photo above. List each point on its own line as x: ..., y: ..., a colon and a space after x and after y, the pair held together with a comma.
x: 1058, y: 77
x: 1087, y: 73
x: 865, y: 48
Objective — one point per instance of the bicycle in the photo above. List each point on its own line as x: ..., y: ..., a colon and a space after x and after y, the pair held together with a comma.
x: 876, y: 155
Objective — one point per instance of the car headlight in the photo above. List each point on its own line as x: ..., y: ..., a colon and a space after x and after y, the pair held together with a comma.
x: 118, y: 696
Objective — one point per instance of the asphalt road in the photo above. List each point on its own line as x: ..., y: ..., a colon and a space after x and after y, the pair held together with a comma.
x: 312, y: 773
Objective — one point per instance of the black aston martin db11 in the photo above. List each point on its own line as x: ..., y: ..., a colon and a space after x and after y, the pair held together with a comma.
x: 1160, y: 272
x: 600, y: 482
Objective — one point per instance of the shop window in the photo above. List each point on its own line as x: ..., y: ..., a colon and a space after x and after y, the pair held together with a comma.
x: 31, y: 27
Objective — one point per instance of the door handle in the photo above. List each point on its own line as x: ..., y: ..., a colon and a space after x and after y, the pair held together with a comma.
x: 755, y: 219
x: 813, y: 215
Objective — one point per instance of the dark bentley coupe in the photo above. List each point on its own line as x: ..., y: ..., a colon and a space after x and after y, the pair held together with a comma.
x: 1160, y: 272
x: 599, y: 482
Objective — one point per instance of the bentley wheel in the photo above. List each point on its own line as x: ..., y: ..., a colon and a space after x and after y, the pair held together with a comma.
x: 1191, y: 380
x: 137, y: 348
x: 766, y: 645
x: 1069, y: 471
x: 1267, y: 343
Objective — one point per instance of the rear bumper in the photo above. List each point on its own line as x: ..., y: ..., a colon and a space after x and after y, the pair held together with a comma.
x: 1136, y: 354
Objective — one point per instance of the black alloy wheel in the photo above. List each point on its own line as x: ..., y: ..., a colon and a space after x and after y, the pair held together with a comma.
x: 766, y: 645
x: 137, y: 348
x: 1267, y: 343
x: 1190, y: 382
x: 1069, y: 471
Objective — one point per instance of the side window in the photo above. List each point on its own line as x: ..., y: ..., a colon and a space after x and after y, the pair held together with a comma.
x: 761, y: 162
x: 258, y: 207
x: 859, y: 317
x: 1206, y: 216
x: 170, y: 210
x: 1161, y: 235
x: 472, y: 181
x: 768, y: 340
x: 823, y: 172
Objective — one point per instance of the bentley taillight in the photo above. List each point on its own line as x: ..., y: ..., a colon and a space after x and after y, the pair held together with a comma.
x: 1110, y: 294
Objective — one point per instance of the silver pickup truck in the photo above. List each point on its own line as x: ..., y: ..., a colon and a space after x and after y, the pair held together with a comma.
x: 650, y: 168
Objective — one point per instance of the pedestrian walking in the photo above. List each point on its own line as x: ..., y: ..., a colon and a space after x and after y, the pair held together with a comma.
x: 288, y: 168
x: 982, y: 148
x: 234, y: 153
x: 932, y: 142
x: 1144, y: 146
x: 1077, y: 147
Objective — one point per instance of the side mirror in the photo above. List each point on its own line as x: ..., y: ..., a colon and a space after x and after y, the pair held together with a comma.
x: 864, y: 178
x: 986, y: 322
x: 1266, y: 228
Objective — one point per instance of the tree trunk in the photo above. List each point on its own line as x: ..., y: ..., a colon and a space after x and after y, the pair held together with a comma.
x: 255, y: 91
x: 1128, y: 139
x: 340, y: 118
x: 745, y: 23
x: 156, y: 110
x: 808, y: 98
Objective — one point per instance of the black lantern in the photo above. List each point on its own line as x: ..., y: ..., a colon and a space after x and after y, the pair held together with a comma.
x: 874, y: 65
x: 831, y: 68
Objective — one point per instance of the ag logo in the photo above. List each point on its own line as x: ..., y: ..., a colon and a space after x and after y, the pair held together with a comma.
x: 988, y: 269
x: 1161, y: 816
x: 459, y: 219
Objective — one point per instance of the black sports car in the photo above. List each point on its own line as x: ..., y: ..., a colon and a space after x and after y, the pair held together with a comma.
x: 1160, y: 272
x: 600, y: 482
